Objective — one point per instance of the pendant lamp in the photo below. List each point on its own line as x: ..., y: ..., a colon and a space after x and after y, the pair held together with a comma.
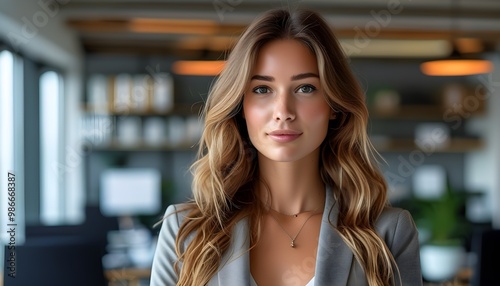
x: 199, y: 68
x: 456, y: 64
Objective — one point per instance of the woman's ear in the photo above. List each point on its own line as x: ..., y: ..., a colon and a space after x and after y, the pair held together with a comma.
x: 333, y: 115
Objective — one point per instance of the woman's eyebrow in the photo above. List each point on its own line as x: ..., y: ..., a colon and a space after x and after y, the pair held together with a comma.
x: 304, y: 75
x: 262, y: 77
x: 295, y: 77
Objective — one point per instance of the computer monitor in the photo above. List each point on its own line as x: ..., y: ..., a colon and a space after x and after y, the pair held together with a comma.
x: 130, y: 192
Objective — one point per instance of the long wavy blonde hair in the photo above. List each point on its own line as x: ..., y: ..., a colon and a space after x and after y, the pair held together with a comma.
x: 224, y: 173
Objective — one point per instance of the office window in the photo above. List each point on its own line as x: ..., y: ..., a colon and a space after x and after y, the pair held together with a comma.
x: 6, y: 129
x: 51, y: 145
x: 11, y: 148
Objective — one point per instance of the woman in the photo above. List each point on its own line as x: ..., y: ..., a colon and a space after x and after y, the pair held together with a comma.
x: 286, y: 188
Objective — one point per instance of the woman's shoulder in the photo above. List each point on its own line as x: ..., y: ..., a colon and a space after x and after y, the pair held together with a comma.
x: 394, y: 216
x: 391, y: 211
x: 175, y: 214
x: 163, y: 271
x: 395, y: 222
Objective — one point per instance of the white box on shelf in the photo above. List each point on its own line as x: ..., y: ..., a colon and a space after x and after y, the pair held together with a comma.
x: 194, y: 129
x: 123, y: 87
x: 154, y: 131
x: 163, y: 92
x: 97, y: 93
x: 141, y: 89
x: 97, y: 129
x: 129, y: 130
x: 432, y: 136
x: 176, y: 131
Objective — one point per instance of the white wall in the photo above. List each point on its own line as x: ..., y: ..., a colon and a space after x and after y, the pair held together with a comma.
x: 494, y: 110
x: 482, y: 170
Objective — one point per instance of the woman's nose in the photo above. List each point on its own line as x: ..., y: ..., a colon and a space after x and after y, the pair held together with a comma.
x: 283, y: 108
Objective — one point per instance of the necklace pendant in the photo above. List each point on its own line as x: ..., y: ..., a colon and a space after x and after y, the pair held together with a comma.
x: 292, y: 245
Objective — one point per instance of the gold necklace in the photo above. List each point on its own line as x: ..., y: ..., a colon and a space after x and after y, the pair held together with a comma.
x: 292, y: 239
x: 295, y: 214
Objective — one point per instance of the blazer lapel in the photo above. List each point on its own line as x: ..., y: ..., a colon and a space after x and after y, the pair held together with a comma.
x: 235, y: 267
x: 333, y: 260
x: 334, y: 257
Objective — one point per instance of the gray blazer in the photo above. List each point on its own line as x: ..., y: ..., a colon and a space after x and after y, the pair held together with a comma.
x: 335, y: 263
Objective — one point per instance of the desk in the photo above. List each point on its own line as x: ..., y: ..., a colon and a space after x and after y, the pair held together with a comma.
x: 126, y: 276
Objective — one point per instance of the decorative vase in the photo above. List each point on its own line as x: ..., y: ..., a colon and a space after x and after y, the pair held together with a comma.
x: 441, y: 262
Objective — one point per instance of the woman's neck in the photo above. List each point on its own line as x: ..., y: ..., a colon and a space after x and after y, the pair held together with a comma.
x: 291, y: 187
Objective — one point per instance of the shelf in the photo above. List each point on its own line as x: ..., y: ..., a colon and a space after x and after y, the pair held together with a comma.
x: 140, y: 148
x: 419, y: 112
x: 455, y: 145
x: 179, y: 109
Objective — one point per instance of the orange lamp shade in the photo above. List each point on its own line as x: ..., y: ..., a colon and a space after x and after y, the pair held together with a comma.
x: 200, y: 68
x: 456, y: 67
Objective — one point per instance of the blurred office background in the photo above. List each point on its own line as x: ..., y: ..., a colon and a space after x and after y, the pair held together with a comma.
x: 99, y: 110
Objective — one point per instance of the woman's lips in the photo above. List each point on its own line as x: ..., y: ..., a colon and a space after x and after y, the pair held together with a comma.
x: 284, y: 136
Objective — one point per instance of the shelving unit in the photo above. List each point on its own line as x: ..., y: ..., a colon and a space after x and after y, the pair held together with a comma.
x: 411, y: 116
x: 171, y: 153
x: 115, y: 147
x: 180, y: 109
x: 455, y: 145
x: 402, y: 102
x: 424, y: 112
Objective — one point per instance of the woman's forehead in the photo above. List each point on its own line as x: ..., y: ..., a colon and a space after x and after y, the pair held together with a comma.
x: 288, y: 57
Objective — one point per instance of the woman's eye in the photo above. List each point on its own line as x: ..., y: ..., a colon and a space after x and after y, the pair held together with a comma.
x: 261, y: 90
x: 306, y: 88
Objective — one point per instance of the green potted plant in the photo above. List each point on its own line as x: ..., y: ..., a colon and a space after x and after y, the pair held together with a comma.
x: 442, y: 218
x: 442, y: 229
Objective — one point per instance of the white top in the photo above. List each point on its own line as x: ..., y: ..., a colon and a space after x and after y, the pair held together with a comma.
x: 253, y: 283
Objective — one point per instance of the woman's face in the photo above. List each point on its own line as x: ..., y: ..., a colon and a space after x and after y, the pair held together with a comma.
x: 284, y: 104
